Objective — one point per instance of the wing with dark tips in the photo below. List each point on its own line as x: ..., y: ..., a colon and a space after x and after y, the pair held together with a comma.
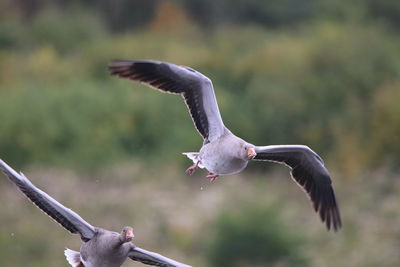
x: 64, y: 216
x: 309, y: 172
x: 152, y: 258
x: 195, y: 88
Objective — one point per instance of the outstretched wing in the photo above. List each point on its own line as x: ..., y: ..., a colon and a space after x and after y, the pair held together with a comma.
x: 152, y: 258
x: 309, y: 172
x: 64, y: 216
x: 195, y: 88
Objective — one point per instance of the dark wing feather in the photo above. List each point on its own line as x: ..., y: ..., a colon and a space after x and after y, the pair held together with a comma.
x: 152, y: 258
x: 61, y: 214
x: 309, y: 172
x: 195, y: 88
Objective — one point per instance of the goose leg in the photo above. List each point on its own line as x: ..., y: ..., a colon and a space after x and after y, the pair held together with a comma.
x: 212, y: 176
x: 192, y: 168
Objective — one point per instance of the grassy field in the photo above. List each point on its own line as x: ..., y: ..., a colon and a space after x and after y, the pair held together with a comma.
x: 183, y: 217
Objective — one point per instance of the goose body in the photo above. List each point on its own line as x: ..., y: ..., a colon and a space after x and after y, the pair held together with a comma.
x: 222, y: 152
x: 218, y: 156
x: 104, y: 249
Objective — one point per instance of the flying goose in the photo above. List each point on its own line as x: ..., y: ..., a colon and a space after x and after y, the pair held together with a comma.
x: 100, y: 248
x: 222, y: 152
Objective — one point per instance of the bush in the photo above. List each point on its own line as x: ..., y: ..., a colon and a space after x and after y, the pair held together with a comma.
x: 255, y: 237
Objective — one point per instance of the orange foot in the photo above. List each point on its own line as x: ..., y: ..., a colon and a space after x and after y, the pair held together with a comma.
x: 212, y: 177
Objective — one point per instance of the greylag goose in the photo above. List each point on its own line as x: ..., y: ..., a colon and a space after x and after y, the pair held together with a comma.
x: 100, y: 248
x: 222, y: 152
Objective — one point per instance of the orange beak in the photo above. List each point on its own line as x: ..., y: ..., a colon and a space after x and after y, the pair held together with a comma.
x: 129, y: 234
x: 251, y: 153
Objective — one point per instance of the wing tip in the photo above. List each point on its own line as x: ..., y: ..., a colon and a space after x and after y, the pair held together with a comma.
x: 331, y: 218
x: 130, y: 69
x: 12, y: 174
x: 117, y: 66
x: 326, y: 206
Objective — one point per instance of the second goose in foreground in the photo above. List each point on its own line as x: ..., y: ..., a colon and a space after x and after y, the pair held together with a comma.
x: 223, y: 152
x: 101, y: 248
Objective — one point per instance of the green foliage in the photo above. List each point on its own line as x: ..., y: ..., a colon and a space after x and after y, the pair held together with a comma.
x: 254, y: 236
x: 386, y: 124
x: 53, y: 125
x: 11, y: 34
x: 65, y: 30
x: 319, y: 85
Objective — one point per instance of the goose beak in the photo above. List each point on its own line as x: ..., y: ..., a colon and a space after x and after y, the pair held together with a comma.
x: 129, y: 234
x: 251, y: 153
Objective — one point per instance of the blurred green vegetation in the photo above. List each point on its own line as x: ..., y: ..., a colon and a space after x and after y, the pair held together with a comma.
x: 322, y: 84
x: 321, y: 73
x: 255, y: 237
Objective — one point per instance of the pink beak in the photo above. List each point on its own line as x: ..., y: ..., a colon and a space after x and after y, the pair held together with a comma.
x: 251, y: 153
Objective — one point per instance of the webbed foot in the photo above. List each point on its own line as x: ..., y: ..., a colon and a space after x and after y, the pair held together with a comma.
x: 212, y: 177
x: 192, y: 168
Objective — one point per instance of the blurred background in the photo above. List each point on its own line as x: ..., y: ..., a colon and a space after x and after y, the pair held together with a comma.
x: 321, y: 73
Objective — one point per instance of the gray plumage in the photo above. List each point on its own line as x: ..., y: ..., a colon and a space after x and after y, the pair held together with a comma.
x: 100, y: 248
x: 222, y: 152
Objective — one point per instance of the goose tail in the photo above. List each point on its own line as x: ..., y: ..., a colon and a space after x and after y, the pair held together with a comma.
x: 194, y: 156
x: 73, y: 257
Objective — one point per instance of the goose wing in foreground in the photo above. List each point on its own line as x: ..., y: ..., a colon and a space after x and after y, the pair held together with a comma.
x: 309, y: 172
x: 195, y: 88
x: 63, y: 215
x: 152, y: 258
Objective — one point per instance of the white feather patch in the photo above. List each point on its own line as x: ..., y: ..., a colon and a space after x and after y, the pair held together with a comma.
x: 73, y: 257
x: 194, y: 156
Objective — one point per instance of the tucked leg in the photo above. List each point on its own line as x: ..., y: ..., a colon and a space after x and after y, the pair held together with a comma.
x: 212, y: 176
x: 192, y: 168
